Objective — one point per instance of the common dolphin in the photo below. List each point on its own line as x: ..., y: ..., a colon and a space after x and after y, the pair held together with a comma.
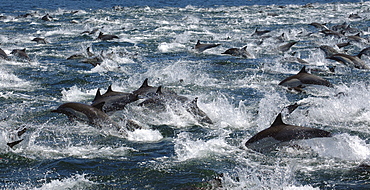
x: 147, y: 91
x: 3, y: 54
x: 86, y: 113
x: 81, y: 55
x: 287, y: 46
x: 161, y: 100
x: 199, y: 47
x: 21, y: 53
x: 260, y: 32
x: 365, y: 51
x: 113, y: 101
x: 280, y: 132
x: 328, y: 50
x: 242, y: 52
x: 47, y: 17
x: 319, y: 26
x: 352, y: 61
x: 303, y: 78
x: 39, y: 40
x: 106, y: 37
x: 19, y: 134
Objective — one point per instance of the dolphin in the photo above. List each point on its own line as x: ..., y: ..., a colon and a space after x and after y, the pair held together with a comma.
x: 328, y: 50
x: 280, y: 132
x: 332, y: 33
x: 365, y: 51
x: 81, y: 55
x: 47, y: 17
x: 242, y: 52
x: 113, y: 101
x: 39, y: 40
x: 86, y: 113
x: 260, y: 32
x: 19, y: 134
x: 286, y: 47
x: 352, y: 61
x: 21, y: 53
x: 303, y: 78
x: 319, y: 26
x: 161, y: 100
x: 3, y: 54
x: 105, y: 37
x: 199, y: 47
x: 147, y: 91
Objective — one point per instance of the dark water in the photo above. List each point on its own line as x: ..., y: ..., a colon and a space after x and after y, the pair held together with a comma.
x: 173, y: 150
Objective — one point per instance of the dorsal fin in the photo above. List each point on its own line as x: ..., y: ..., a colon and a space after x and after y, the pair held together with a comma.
x: 303, y: 70
x: 245, y: 47
x: 278, y: 121
x: 109, y: 89
x: 11, y: 144
x: 198, y: 42
x: 145, y: 83
x: 100, y: 106
x: 97, y: 95
x: 159, y: 90
x: 24, y: 49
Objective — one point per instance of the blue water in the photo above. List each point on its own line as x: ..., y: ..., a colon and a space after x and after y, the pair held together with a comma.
x: 173, y: 150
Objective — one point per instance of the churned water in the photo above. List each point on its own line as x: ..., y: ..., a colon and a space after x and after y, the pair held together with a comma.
x: 173, y: 150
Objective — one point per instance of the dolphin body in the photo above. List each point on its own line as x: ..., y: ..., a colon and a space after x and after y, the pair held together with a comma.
x: 19, y: 134
x: 21, y: 53
x: 280, y: 132
x: 105, y: 37
x: 161, y: 100
x: 3, y: 54
x: 241, y: 52
x: 39, y: 40
x: 287, y: 46
x: 113, y: 100
x: 86, y: 113
x: 303, y: 78
x: 352, y: 61
x: 199, y: 47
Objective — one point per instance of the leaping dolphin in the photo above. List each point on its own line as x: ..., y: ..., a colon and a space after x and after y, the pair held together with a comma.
x: 106, y: 37
x: 242, y: 52
x: 303, y: 78
x: 113, y: 100
x: 280, y: 132
x: 3, y: 54
x: 21, y: 53
x: 199, y: 47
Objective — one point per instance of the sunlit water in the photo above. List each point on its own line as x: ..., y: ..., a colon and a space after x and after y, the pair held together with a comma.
x: 173, y: 150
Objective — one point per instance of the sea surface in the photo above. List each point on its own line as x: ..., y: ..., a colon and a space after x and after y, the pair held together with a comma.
x: 173, y: 150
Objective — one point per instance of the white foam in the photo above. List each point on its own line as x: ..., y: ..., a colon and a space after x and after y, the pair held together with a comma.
x: 144, y: 135
x: 76, y: 94
x: 76, y: 181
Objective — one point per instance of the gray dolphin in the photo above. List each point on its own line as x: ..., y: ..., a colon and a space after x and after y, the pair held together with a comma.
x: 19, y: 134
x: 365, y: 51
x: 328, y: 50
x: 287, y: 46
x: 147, y: 91
x: 113, y: 101
x: 106, y: 37
x: 281, y: 132
x: 352, y: 61
x: 199, y: 47
x: 161, y: 100
x: 81, y: 55
x: 47, y: 17
x: 242, y: 52
x: 39, y: 40
x: 3, y: 54
x: 260, y: 32
x: 319, y: 26
x: 86, y: 113
x: 21, y: 53
x: 303, y: 78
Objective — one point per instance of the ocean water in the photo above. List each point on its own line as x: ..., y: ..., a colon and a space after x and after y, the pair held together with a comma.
x: 173, y: 150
